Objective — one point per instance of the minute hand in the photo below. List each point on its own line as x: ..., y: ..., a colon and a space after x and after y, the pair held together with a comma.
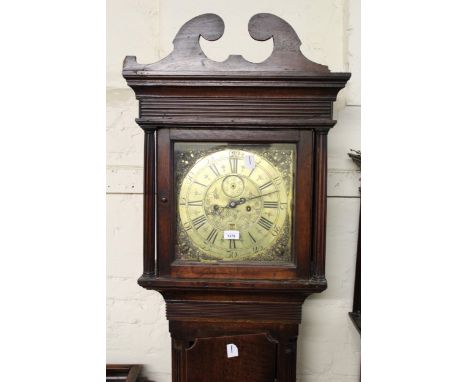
x: 260, y: 196
x: 234, y: 203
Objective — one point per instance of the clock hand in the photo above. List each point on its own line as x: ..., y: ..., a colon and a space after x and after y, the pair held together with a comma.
x: 217, y: 208
x: 234, y: 203
x: 260, y: 196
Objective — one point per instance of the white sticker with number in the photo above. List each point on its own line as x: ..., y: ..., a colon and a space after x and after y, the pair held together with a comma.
x: 231, y: 235
x: 232, y: 351
x: 249, y: 161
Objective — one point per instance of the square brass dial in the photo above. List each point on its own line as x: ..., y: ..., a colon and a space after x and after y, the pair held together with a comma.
x: 234, y: 202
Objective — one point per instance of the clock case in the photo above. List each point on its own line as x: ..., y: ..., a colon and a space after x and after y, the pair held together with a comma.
x: 188, y: 97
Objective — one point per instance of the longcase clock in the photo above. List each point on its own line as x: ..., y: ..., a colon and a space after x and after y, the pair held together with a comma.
x: 235, y: 168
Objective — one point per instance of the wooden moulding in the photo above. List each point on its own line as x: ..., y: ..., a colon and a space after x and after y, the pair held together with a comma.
x: 149, y: 204
x: 187, y: 88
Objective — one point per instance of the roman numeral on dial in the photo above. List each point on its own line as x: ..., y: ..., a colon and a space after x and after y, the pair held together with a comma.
x: 233, y: 164
x: 267, y: 184
x: 212, y: 236
x: 232, y: 244
x: 252, y: 238
x: 196, y: 203
x: 199, y: 222
x: 214, y: 169
x: 265, y: 223
x: 270, y: 204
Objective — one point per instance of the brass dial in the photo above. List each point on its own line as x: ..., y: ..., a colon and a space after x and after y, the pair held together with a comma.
x: 234, y: 190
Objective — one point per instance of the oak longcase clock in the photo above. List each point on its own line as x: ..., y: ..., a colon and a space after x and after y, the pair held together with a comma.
x: 234, y: 198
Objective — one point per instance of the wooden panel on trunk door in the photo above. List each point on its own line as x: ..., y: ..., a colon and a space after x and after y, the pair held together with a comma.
x: 208, y: 359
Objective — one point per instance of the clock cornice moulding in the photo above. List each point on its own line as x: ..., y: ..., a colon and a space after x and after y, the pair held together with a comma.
x: 153, y: 124
x: 187, y: 89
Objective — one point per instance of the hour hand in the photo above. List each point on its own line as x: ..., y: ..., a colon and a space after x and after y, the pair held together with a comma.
x: 234, y: 203
x: 217, y: 209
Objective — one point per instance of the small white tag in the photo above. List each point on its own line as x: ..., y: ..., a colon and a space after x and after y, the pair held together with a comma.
x: 232, y: 351
x: 231, y: 235
x: 249, y: 161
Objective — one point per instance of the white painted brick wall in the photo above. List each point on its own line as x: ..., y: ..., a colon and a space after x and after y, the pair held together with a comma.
x: 137, y: 330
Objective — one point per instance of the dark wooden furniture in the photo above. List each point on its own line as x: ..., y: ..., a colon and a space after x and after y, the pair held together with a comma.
x: 355, y: 315
x: 188, y: 97
x: 124, y: 373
